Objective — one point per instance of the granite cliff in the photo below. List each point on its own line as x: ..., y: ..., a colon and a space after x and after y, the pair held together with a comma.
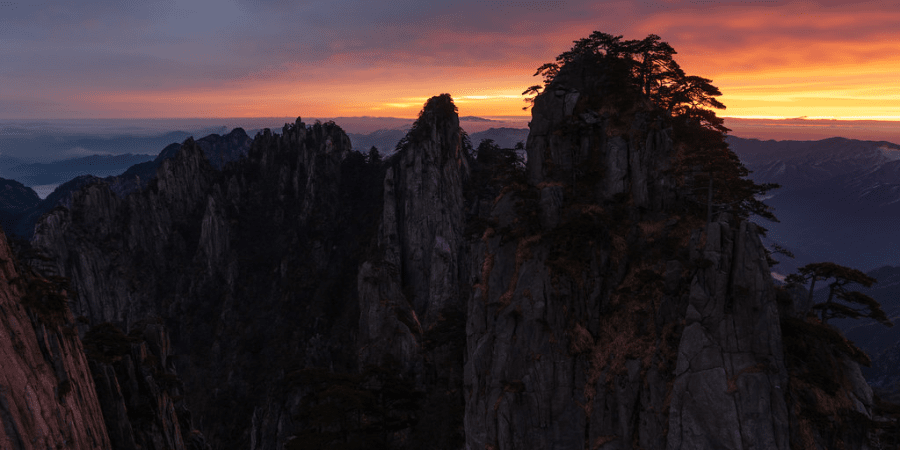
x: 606, y: 314
x: 225, y: 262
x: 302, y: 295
x: 47, y: 396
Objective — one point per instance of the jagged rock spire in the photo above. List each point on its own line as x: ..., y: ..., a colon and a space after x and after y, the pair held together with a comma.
x: 420, y: 236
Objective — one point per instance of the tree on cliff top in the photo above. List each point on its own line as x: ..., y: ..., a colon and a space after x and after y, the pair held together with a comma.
x: 437, y: 108
x: 855, y: 304
x: 646, y: 68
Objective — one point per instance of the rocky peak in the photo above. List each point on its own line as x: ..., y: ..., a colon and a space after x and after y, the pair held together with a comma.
x: 604, y: 316
x: 185, y: 178
x: 420, y: 236
x: 243, y: 267
x: 584, y: 134
x: 220, y: 150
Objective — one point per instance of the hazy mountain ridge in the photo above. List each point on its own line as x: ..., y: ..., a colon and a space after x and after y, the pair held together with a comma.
x: 58, y: 172
x: 37, y: 147
x: 386, y: 140
x: 839, y: 200
x: 20, y: 221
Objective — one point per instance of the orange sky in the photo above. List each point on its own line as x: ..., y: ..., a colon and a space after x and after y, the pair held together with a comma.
x: 252, y: 58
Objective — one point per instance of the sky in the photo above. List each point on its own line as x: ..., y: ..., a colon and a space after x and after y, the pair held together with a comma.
x: 67, y: 59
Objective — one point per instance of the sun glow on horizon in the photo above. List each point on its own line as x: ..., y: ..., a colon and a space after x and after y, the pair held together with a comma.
x: 834, y: 118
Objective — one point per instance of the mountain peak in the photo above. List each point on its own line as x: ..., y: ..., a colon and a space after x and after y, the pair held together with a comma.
x: 439, y: 112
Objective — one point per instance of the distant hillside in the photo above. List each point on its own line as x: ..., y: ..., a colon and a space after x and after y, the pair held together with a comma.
x: 839, y: 200
x: 35, y: 146
x: 881, y: 343
x: 872, y: 336
x: 503, y: 136
x: 15, y: 198
x: 386, y: 140
x: 58, y: 172
x: 19, y: 211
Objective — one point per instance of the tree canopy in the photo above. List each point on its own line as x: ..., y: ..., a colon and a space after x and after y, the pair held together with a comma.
x: 854, y: 304
x: 647, y: 68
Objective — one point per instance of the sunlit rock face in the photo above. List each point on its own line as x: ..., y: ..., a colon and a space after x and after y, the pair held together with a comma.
x: 47, y: 396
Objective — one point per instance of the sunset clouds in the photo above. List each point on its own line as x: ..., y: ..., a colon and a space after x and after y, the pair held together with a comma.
x: 230, y: 58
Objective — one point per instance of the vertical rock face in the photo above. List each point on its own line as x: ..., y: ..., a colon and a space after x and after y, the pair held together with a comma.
x: 118, y: 252
x: 246, y: 267
x: 606, y: 315
x: 581, y: 276
x: 47, y: 398
x: 730, y: 378
x: 411, y: 301
x: 138, y: 389
x: 414, y: 278
x: 575, y: 133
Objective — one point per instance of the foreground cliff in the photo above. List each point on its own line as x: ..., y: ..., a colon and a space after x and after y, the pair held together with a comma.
x: 47, y: 397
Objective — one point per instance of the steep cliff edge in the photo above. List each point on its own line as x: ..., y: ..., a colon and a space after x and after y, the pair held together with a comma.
x: 47, y: 398
x: 606, y: 314
x: 412, y: 304
x: 139, y: 390
x: 421, y: 232
x: 249, y: 269
x: 600, y: 320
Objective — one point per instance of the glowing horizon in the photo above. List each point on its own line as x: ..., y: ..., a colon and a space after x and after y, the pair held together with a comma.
x: 822, y: 60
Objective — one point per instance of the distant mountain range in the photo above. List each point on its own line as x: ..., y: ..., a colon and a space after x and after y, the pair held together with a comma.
x: 386, y: 140
x: 839, y: 199
x: 840, y: 202
x: 21, y: 207
x: 34, y: 146
x: 58, y: 172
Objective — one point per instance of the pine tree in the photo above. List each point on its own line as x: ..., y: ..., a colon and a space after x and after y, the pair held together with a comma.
x: 853, y: 304
x: 373, y: 157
